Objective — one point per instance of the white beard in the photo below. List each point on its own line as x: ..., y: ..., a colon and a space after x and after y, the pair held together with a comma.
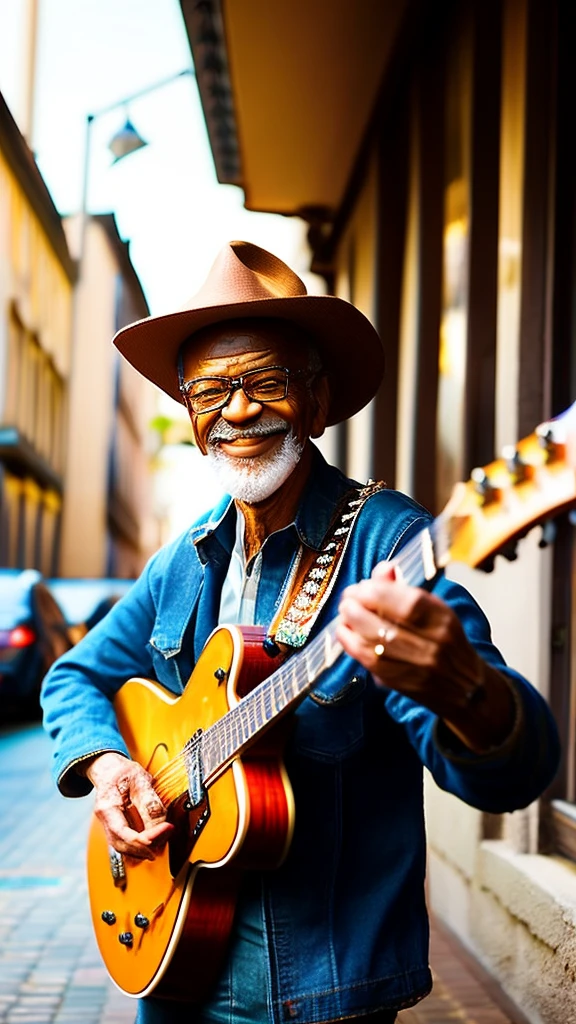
x: 255, y: 479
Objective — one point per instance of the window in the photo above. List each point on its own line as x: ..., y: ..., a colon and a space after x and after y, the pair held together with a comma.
x: 34, y: 394
x: 10, y: 519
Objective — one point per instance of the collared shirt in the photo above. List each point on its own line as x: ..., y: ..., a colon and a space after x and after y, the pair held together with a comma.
x: 240, y: 587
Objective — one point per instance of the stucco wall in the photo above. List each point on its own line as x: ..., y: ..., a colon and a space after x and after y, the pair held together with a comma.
x: 514, y: 908
x: 517, y: 914
x: 83, y: 543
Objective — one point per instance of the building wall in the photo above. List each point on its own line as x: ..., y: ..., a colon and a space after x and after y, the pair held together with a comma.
x: 106, y: 527
x: 35, y: 345
x: 133, y: 536
x: 493, y: 881
x: 481, y: 363
x: 355, y: 280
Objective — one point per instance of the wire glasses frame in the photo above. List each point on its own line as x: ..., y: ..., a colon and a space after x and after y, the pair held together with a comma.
x: 208, y: 394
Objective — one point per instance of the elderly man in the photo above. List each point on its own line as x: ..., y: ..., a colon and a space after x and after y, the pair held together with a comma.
x: 339, y: 930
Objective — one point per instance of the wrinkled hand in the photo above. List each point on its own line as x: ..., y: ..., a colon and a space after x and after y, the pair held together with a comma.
x: 425, y: 654
x: 132, y: 814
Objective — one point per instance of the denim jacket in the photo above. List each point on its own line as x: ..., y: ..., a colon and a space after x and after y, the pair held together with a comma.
x: 345, y: 915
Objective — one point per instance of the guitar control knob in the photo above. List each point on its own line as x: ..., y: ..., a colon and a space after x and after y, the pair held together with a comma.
x: 108, y: 916
x: 125, y: 938
x: 220, y: 675
x: 140, y: 921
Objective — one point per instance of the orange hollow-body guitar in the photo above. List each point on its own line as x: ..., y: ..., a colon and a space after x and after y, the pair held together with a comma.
x: 215, y: 752
x: 163, y: 925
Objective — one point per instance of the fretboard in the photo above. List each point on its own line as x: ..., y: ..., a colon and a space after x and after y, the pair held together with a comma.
x: 415, y: 564
x: 267, y: 701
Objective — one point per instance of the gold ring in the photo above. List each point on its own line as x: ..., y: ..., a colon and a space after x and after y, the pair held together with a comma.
x: 380, y: 648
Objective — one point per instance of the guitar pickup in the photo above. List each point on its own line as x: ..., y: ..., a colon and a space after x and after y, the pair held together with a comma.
x: 194, y: 770
x: 117, y: 868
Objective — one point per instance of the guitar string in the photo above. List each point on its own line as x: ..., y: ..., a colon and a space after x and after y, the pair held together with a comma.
x: 251, y: 714
x: 232, y: 727
x: 223, y: 739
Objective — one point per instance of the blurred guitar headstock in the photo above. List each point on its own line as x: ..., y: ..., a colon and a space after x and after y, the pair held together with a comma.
x: 531, y: 483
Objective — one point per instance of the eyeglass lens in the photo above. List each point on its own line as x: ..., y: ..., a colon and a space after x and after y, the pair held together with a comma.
x: 267, y: 385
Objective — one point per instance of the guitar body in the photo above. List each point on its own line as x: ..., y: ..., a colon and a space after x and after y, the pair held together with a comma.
x: 178, y: 909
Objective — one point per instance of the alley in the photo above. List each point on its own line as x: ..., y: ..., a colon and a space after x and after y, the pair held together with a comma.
x: 50, y: 970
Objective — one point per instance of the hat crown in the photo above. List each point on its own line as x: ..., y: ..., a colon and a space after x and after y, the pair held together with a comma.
x: 243, y: 272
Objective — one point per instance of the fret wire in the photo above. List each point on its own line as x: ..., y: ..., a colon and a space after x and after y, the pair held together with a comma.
x: 221, y: 741
x: 272, y: 695
x: 278, y: 692
x: 410, y: 558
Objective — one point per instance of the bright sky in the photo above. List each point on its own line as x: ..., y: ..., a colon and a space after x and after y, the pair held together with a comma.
x: 92, y: 54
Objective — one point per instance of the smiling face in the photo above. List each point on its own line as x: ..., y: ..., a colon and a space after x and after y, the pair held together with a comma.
x: 255, y: 443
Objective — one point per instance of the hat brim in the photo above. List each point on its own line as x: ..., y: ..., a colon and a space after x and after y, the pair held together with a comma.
x: 349, y: 346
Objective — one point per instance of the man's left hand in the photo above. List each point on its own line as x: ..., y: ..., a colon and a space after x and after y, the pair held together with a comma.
x: 414, y: 643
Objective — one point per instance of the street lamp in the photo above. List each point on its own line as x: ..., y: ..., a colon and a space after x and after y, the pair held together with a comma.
x: 127, y: 140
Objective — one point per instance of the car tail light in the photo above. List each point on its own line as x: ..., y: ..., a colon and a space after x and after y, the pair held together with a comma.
x: 21, y: 636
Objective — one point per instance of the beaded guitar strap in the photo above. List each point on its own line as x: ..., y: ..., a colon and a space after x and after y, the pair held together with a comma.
x: 309, y: 587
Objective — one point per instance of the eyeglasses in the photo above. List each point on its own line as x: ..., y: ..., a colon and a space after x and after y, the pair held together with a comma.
x: 207, y: 394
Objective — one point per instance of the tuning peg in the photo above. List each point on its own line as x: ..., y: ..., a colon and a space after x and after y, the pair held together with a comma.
x: 482, y: 484
x: 545, y: 435
x: 510, y: 550
x: 514, y: 462
x: 548, y: 534
x: 487, y: 565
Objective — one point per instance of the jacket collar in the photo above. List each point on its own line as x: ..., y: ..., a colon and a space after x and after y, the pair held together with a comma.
x: 324, y: 487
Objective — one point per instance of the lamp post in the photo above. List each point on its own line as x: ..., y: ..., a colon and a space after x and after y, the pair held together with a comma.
x: 93, y: 416
x: 124, y: 142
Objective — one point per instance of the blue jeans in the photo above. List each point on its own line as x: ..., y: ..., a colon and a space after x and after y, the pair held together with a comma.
x: 241, y: 994
x: 161, y: 1011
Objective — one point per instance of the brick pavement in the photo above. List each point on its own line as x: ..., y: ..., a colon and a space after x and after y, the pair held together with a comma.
x: 50, y: 969
x: 462, y: 990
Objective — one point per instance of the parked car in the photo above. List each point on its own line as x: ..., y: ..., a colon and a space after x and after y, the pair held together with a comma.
x: 40, y: 619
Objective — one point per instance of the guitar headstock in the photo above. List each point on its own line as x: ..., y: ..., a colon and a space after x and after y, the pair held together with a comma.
x: 533, y: 481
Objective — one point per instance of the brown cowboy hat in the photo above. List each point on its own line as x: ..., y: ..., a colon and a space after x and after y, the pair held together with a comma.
x: 246, y: 281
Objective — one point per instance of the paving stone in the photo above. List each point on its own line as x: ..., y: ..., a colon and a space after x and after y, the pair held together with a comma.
x: 50, y: 968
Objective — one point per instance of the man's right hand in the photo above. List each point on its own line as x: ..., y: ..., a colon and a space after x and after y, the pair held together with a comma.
x: 132, y: 814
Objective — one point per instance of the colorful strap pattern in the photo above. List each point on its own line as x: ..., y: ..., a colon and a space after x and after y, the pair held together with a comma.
x: 297, y: 621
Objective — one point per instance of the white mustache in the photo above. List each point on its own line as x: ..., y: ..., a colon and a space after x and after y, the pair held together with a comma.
x: 223, y: 431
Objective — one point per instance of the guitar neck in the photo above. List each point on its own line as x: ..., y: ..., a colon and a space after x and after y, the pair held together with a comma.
x: 260, y: 708
x: 282, y: 690
x: 499, y: 503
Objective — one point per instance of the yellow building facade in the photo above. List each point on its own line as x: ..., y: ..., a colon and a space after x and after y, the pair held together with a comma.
x: 75, y: 481
x: 36, y: 288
